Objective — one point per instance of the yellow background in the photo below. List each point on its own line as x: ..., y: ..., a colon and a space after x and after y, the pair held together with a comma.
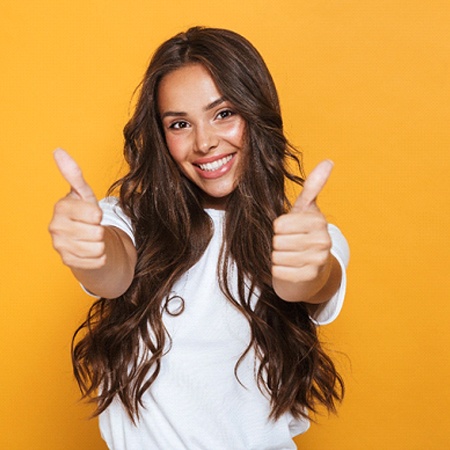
x: 363, y: 82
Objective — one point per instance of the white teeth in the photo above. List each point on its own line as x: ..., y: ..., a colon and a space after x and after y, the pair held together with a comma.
x: 209, y: 167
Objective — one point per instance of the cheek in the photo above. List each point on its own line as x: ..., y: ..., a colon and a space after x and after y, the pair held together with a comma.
x: 176, y: 148
x: 235, y: 134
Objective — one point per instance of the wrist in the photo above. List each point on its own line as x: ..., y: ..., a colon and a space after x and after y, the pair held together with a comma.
x: 316, y: 289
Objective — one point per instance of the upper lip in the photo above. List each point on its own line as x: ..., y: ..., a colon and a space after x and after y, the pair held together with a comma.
x: 211, y: 159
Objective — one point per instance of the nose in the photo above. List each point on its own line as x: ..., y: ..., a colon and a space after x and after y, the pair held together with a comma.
x: 206, y: 138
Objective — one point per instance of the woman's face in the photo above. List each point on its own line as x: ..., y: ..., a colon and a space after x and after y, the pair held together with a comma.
x: 203, y: 132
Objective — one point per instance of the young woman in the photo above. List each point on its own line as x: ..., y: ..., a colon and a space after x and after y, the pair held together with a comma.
x: 210, y: 284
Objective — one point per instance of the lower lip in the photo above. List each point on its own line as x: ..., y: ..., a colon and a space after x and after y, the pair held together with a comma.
x: 213, y: 174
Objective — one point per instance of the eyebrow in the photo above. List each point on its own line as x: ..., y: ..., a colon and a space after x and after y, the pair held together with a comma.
x: 183, y: 114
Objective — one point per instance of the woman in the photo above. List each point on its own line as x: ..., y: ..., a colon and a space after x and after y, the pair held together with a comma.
x: 211, y: 285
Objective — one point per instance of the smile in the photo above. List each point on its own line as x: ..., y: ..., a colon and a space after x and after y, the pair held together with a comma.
x: 215, y: 165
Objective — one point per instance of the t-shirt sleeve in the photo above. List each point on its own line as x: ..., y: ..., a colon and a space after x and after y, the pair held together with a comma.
x: 328, y: 311
x: 113, y: 215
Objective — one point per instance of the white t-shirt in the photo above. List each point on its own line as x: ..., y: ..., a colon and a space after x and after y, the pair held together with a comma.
x: 196, y: 402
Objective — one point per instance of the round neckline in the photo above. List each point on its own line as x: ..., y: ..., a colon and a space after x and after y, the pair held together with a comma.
x: 215, y: 213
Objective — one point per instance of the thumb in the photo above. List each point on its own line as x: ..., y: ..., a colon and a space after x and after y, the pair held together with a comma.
x: 73, y: 175
x: 313, y: 185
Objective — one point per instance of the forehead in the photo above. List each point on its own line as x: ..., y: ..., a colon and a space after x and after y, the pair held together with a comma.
x: 189, y: 85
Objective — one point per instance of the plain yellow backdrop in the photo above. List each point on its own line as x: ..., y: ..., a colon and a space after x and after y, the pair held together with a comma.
x: 363, y: 82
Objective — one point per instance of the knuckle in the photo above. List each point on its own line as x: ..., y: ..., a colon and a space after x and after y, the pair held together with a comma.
x: 67, y: 259
x: 276, y: 241
x: 310, y: 273
x: 58, y: 243
x: 321, y: 260
x: 324, y: 243
x: 95, y: 250
x: 98, y: 263
x: 57, y: 246
x: 101, y: 249
x: 276, y: 225
x: 100, y: 233
x: 60, y: 207
x: 279, y: 224
x: 278, y: 272
x: 96, y: 214
x: 319, y: 221
x: 275, y: 257
x: 56, y: 227
x: 102, y: 261
x: 67, y: 201
x: 52, y: 228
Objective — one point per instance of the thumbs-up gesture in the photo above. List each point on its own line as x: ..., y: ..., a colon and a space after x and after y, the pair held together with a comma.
x: 75, y: 227
x: 301, y: 261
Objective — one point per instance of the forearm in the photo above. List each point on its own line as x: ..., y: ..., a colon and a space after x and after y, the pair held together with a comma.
x: 317, y: 289
x: 114, y: 274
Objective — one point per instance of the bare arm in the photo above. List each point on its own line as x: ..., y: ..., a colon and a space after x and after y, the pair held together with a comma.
x: 303, y: 268
x: 102, y: 258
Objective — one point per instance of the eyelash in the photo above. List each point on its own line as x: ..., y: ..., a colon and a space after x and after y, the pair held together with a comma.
x: 228, y: 113
x: 176, y: 125
x: 224, y: 114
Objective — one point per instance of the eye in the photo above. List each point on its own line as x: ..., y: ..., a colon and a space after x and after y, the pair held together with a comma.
x: 225, y: 113
x: 178, y: 125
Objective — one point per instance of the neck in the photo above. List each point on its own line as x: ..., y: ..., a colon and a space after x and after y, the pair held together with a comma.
x: 209, y: 202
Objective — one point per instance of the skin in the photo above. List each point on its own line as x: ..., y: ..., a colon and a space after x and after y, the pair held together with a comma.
x: 202, y: 130
x: 204, y: 136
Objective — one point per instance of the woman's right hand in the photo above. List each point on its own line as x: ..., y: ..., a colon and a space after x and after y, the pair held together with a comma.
x: 75, y: 226
x: 102, y: 258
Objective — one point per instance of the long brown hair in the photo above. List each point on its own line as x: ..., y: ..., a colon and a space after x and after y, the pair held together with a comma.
x: 117, y: 351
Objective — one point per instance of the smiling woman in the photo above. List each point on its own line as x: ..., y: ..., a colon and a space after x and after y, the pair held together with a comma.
x: 202, y: 219
x: 203, y: 131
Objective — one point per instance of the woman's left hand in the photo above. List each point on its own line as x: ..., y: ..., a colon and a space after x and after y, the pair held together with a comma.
x: 302, y: 264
